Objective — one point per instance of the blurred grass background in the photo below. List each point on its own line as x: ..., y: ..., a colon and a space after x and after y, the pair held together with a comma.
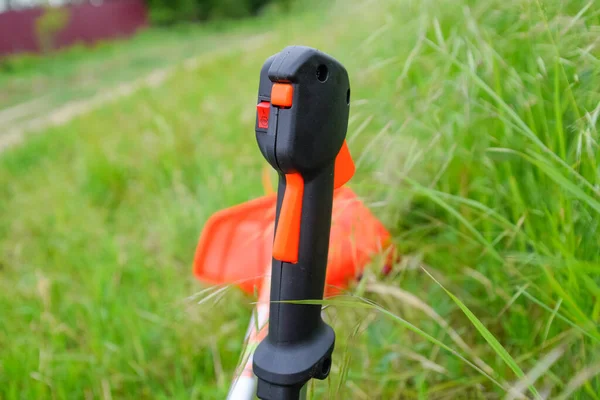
x: 474, y: 125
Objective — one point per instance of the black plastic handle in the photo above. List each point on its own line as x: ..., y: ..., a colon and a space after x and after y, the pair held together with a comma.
x: 303, y: 138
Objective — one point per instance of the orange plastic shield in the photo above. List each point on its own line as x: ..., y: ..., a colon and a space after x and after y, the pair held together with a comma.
x: 236, y: 243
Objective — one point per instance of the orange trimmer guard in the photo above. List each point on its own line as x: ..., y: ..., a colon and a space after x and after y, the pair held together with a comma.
x: 236, y: 244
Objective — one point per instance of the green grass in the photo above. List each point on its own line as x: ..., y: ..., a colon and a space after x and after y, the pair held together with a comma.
x: 474, y: 126
x: 81, y: 71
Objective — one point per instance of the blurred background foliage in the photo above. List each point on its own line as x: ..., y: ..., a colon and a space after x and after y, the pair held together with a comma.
x: 171, y: 11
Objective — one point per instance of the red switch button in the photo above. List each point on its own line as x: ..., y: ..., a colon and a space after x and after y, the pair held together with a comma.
x: 263, y: 108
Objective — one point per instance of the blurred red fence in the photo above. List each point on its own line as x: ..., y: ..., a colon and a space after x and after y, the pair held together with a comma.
x: 87, y: 23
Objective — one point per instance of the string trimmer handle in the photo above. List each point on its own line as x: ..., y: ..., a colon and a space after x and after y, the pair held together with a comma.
x: 302, y: 118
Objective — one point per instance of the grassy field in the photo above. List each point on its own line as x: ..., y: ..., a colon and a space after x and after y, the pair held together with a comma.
x: 475, y: 129
x: 37, y: 84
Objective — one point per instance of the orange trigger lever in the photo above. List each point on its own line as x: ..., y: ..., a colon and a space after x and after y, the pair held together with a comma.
x: 287, y: 235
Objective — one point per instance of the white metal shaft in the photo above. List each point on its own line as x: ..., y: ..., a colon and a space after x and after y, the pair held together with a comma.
x: 243, y: 386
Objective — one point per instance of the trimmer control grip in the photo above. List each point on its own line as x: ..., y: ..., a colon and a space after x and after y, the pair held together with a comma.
x: 302, y: 118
